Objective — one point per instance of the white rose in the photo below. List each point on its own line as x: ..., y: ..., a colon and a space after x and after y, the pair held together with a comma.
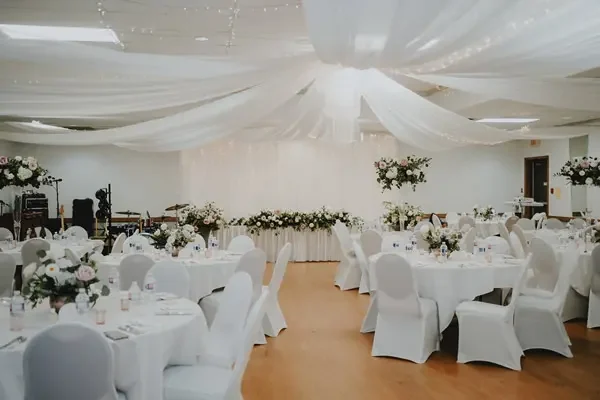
x: 52, y: 270
x: 571, y: 172
x: 163, y: 227
x: 32, y: 164
x: 593, y: 164
x: 63, y: 276
x: 394, y: 182
x: 589, y: 181
x: 18, y: 158
x: 258, y: 223
x: 424, y: 229
x: 297, y: 220
x: 390, y: 175
x: 410, y: 213
x: 311, y: 225
x: 157, y: 232
x: 188, y: 228
x: 10, y: 177
x: 581, y: 173
x: 415, y: 172
x: 171, y: 239
x: 341, y: 215
x: 280, y: 223
x: 409, y: 172
x: 40, y: 178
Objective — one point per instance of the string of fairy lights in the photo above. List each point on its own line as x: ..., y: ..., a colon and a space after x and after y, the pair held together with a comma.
x: 233, y: 13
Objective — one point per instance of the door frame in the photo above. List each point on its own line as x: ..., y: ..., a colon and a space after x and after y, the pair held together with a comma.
x: 527, y: 181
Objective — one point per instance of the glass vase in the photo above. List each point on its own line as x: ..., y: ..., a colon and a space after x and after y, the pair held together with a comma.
x: 17, y: 208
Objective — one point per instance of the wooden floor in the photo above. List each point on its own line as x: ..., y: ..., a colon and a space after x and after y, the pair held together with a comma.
x: 322, y: 355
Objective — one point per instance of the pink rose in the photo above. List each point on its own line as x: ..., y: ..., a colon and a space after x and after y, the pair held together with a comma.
x: 382, y: 165
x: 85, y: 273
x: 404, y: 162
x: 3, y: 160
x: 206, y: 221
x: 585, y: 164
x: 277, y: 212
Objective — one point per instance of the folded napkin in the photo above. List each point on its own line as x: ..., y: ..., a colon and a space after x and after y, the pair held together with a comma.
x: 459, y: 256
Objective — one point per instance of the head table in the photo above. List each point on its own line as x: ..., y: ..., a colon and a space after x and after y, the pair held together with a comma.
x: 159, y: 341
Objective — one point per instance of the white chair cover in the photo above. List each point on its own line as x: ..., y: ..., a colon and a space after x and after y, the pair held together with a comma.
x: 578, y: 223
x: 417, y: 227
x: 435, y: 220
x: 487, y: 332
x: 47, y: 232
x: 521, y: 235
x: 171, y: 277
x: 69, y: 361
x: 212, y: 382
x: 5, y: 234
x: 544, y: 266
x: 274, y: 320
x: 133, y: 268
x: 468, y: 242
x: 77, y: 231
x: 364, y: 286
x: 554, y: 224
x: 348, y: 273
x: 7, y: 274
x: 118, y: 245
x: 71, y: 256
x: 594, y: 299
x: 135, y: 240
x: 240, y: 244
x: 30, y: 249
x: 452, y: 219
x: 371, y: 242
x: 407, y: 325
x: 538, y: 321
x: 510, y: 222
x: 466, y: 220
x: 226, y: 332
x: 200, y: 240
x: 548, y: 236
x: 515, y: 246
x: 503, y: 232
x: 526, y: 224
x: 421, y: 242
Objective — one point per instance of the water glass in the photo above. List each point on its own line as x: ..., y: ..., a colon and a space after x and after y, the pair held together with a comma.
x: 100, y: 316
x: 125, y: 301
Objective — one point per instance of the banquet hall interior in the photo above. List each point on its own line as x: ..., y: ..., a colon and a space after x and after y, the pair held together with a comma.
x: 299, y: 199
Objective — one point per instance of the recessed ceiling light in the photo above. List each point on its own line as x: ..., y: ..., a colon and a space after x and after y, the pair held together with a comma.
x: 201, y: 38
x: 59, y: 33
x: 508, y: 120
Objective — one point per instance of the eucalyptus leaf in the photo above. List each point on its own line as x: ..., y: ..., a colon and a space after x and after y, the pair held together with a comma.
x: 105, y: 290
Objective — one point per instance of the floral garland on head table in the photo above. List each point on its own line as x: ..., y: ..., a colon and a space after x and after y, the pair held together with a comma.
x: 401, y: 215
x: 320, y: 219
x: 21, y: 172
x: 581, y: 171
x: 408, y: 171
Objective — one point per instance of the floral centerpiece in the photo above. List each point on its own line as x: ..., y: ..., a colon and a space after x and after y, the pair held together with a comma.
x: 485, y: 213
x: 401, y: 215
x: 581, y: 171
x: 408, y: 171
x: 60, y: 280
x: 179, y: 238
x: 435, y: 237
x: 204, y: 219
x: 160, y: 236
x: 21, y: 172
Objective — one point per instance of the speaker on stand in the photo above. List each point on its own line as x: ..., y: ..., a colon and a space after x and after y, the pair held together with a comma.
x: 104, y: 212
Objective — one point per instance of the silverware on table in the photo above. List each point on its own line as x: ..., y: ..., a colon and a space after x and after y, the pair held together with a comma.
x: 17, y: 340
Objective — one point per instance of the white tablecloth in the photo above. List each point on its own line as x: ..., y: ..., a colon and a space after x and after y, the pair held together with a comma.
x: 487, y: 228
x: 56, y: 247
x: 581, y: 278
x: 139, y: 360
x: 450, y: 283
x: 206, y: 274
x: 319, y: 245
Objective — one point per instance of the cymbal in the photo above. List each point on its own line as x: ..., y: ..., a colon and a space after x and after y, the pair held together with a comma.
x: 128, y: 213
x: 176, y: 207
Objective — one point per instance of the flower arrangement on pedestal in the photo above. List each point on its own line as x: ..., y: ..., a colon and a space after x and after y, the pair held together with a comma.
x: 160, y: 236
x: 21, y: 172
x: 179, y: 237
x: 408, y: 171
x: 205, y: 219
x: 60, y: 280
x: 581, y: 171
x: 401, y: 215
x: 435, y: 237
x: 485, y: 213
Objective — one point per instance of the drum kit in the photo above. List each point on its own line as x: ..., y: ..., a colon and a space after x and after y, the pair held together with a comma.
x: 130, y: 228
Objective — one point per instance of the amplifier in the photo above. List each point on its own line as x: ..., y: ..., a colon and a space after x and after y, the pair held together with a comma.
x: 35, y: 202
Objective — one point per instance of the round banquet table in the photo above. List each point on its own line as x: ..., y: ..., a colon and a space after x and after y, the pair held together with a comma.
x: 162, y: 340
x: 487, y: 228
x: 80, y: 248
x: 206, y: 274
x: 453, y: 282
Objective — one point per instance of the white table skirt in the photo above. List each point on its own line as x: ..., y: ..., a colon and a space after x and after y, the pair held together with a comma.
x: 321, y: 245
x: 56, y: 247
x: 139, y: 360
x: 449, y: 284
x: 487, y: 228
x: 206, y: 274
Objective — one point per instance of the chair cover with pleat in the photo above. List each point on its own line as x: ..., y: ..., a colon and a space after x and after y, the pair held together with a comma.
x: 555, y: 224
x: 435, y: 220
x: 274, y: 320
x: 118, y: 245
x: 135, y: 240
x: 171, y: 277
x: 5, y: 234
x: 240, y: 244
x: 526, y: 224
x: 77, y: 231
x: 133, y: 268
x: 594, y: 299
x: 468, y: 241
x: 363, y: 263
x: 544, y: 266
x: 30, y: 249
x: 521, y: 235
x: 466, y: 220
x: 515, y: 246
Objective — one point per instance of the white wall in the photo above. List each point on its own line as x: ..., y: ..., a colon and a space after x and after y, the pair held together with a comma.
x: 140, y: 181
x: 6, y: 149
x: 593, y: 193
x: 558, y: 152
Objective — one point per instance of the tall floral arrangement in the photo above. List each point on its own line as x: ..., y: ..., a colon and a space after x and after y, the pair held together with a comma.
x: 581, y: 171
x: 436, y: 236
x: 401, y: 215
x: 209, y: 216
x: 485, y: 213
x: 408, y: 171
x: 60, y: 280
x: 21, y: 172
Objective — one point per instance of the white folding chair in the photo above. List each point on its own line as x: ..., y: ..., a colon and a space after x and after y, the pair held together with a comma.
x: 77, y: 231
x: 132, y: 241
x: 468, y: 241
x: 452, y: 219
x: 69, y: 361
x: 221, y: 345
x: 515, y: 246
x: 7, y: 274
x: 171, y: 277
x: 487, y: 332
x: 593, y: 320
x: 407, y: 325
x: 521, y: 235
x: 364, y: 286
x: 240, y: 244
x: 435, y: 220
x: 30, y: 249
x: 274, y: 320
x: 466, y: 220
x: 544, y: 266
x: 371, y: 242
x: 348, y: 273
x: 133, y: 268
x: 253, y: 263
x: 578, y: 223
x: 215, y: 382
x: 525, y: 224
x: 555, y: 224
x: 5, y: 234
x: 118, y: 245
x: 538, y: 321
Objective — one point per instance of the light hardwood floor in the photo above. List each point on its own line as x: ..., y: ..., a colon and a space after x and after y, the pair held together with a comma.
x: 322, y: 355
